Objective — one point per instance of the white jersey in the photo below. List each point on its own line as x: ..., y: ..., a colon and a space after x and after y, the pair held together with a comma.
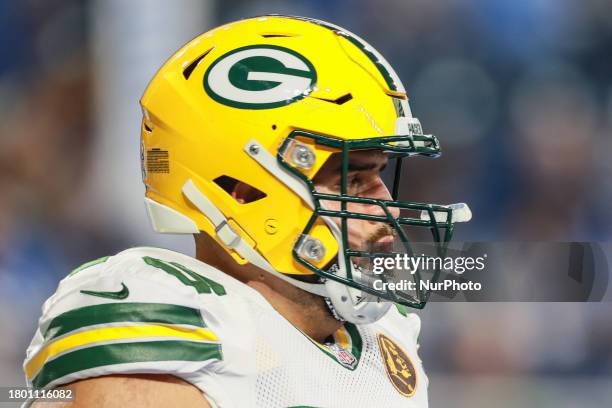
x: 149, y: 310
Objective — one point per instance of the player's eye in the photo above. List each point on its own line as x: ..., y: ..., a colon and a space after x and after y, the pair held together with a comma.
x: 354, y: 182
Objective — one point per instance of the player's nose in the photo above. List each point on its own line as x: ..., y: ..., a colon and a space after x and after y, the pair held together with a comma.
x: 383, y: 194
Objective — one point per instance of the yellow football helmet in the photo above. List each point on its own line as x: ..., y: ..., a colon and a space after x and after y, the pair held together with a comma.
x: 266, y: 101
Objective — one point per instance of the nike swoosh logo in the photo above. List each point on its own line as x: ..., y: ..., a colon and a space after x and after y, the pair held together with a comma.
x: 122, y: 294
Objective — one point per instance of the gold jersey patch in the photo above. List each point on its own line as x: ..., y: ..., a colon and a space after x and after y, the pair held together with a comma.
x: 399, y: 368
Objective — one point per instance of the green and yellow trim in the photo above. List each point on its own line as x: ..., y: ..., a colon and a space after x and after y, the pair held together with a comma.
x: 107, y: 334
x: 346, y: 337
x: 122, y: 312
x: 98, y: 335
x: 122, y: 353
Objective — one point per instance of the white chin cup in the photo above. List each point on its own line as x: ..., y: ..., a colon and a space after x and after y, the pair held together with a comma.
x: 345, y: 302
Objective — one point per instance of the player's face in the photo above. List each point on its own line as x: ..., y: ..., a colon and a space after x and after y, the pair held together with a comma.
x: 363, y: 180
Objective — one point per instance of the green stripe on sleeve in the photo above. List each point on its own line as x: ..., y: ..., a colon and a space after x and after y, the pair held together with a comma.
x: 122, y: 312
x: 121, y: 353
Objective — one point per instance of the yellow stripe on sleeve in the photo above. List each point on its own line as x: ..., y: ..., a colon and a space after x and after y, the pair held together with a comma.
x: 113, y: 333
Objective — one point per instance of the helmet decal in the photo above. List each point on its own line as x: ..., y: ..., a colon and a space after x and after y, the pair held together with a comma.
x: 259, y: 77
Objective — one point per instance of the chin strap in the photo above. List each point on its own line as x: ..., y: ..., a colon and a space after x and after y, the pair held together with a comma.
x: 226, y: 234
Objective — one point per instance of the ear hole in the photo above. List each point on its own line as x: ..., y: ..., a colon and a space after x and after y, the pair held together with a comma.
x: 240, y: 191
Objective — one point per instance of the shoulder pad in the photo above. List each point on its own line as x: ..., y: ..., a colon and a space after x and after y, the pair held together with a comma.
x: 136, y: 312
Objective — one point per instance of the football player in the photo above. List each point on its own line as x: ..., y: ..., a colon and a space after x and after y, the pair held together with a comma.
x: 267, y: 139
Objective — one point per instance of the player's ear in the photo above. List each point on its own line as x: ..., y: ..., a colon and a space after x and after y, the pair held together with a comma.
x: 245, y: 193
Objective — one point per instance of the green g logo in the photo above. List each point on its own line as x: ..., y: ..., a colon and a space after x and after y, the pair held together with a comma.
x: 259, y: 77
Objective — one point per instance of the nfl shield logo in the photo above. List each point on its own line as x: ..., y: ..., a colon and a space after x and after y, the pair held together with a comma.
x: 344, y: 357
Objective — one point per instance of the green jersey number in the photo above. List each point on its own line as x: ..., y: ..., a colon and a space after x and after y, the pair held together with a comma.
x: 197, y: 281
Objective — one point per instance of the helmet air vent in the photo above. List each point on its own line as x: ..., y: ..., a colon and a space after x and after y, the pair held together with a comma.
x: 193, y: 64
x: 338, y: 101
x: 278, y: 35
x: 240, y: 191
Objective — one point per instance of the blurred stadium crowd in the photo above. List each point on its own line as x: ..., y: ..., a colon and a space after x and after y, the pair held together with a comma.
x: 519, y: 93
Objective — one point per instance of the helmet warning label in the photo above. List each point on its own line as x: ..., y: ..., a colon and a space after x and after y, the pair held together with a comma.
x: 157, y: 161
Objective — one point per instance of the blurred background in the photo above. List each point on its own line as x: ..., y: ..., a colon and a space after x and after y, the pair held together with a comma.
x: 519, y: 93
